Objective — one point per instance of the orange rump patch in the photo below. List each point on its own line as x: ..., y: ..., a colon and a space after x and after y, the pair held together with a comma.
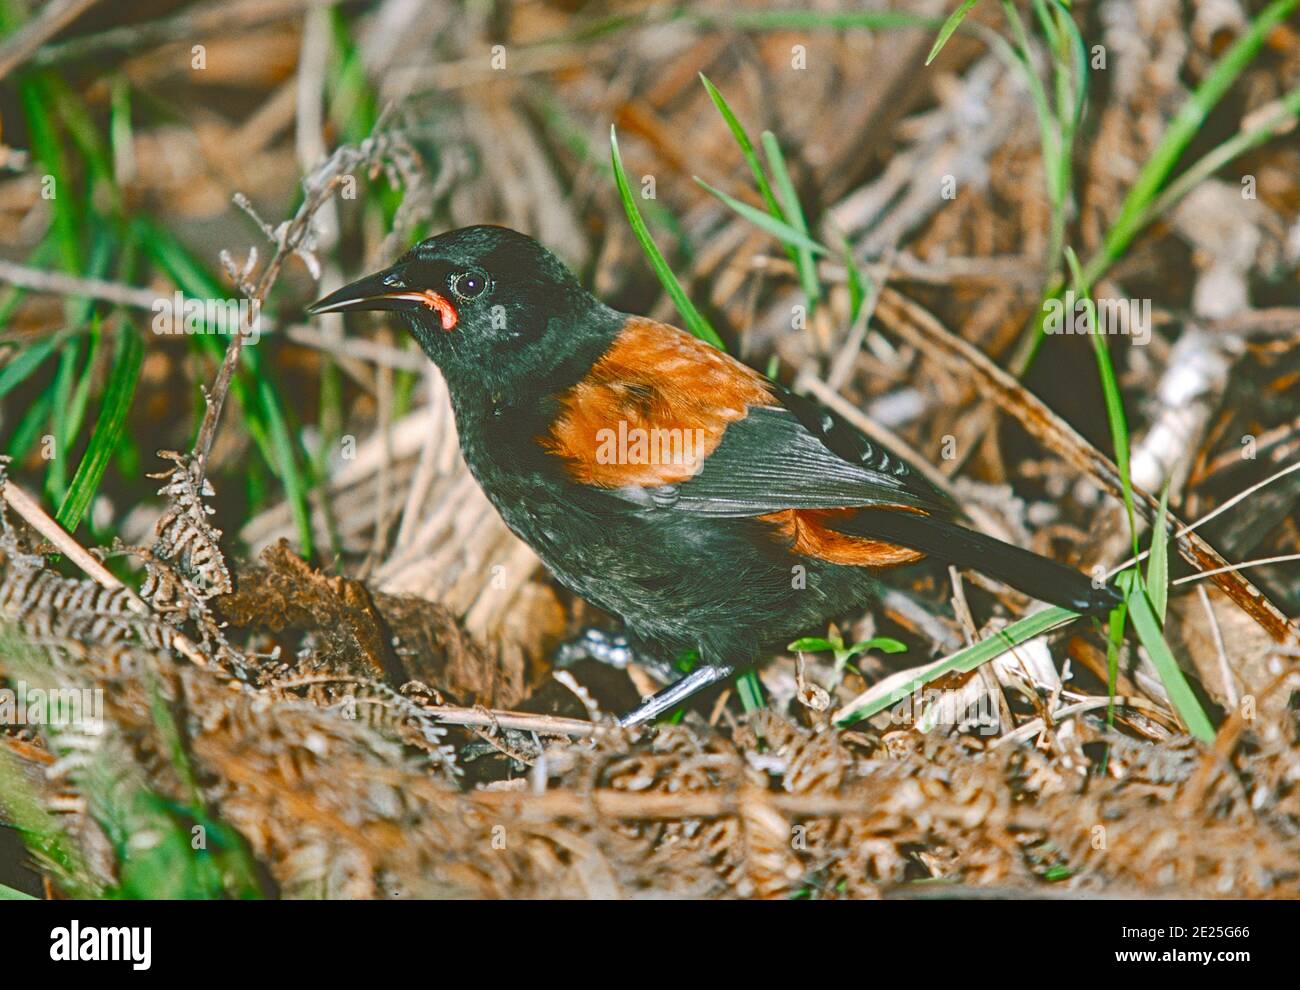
x: 808, y: 534
x: 652, y: 408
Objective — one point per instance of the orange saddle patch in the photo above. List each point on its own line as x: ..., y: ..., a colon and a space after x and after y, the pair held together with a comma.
x: 652, y: 409
x: 809, y: 535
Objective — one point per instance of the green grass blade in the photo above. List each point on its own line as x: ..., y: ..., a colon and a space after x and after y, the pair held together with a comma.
x: 858, y: 283
x: 286, y: 465
x: 25, y: 364
x: 71, y: 397
x: 9, y: 894
x: 40, y: 830
x: 118, y: 395
x: 746, y: 148
x: 29, y: 427
x: 1078, y: 55
x: 1046, y: 23
x: 353, y: 104
x: 1115, y: 415
x: 81, y: 394
x: 1171, y: 675
x: 1118, y: 617
x: 794, y: 213
x: 750, y: 689
x: 49, y: 151
x: 1187, y: 122
x: 1021, y: 631
x: 57, y: 472
x: 1049, y: 135
x: 949, y: 26
x: 1118, y: 425
x: 1273, y: 124
x: 784, y: 185
x: 74, y: 392
x: 695, y: 321
x: 229, y: 861
x: 1145, y: 621
x: 779, y: 229
x: 261, y: 406
x: 1145, y: 200
x: 751, y: 159
x: 1158, y: 564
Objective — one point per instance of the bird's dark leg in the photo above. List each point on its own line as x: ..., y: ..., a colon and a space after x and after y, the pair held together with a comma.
x: 676, y: 693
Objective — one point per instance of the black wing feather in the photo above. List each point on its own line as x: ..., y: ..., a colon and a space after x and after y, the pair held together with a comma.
x: 772, y: 460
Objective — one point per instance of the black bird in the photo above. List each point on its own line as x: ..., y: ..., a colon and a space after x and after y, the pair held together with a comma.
x: 660, y: 478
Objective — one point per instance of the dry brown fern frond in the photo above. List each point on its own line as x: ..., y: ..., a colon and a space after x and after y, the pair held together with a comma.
x: 183, y: 534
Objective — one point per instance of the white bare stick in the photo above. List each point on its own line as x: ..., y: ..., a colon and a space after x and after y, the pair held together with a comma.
x: 546, y: 725
x: 1218, y: 511
x: 1225, y: 668
x: 1237, y: 567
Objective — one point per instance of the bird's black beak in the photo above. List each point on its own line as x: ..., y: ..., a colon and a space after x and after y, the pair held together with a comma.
x: 390, y: 291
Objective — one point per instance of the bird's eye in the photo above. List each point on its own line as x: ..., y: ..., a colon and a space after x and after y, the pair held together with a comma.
x: 467, y: 285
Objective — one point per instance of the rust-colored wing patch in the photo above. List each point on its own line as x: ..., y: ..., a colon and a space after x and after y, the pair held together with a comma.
x: 652, y: 408
x: 807, y: 533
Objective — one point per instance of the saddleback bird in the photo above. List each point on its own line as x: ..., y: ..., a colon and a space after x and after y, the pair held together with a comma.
x: 660, y: 478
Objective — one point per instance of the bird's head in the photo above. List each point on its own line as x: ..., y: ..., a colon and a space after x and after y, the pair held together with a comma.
x: 487, y: 304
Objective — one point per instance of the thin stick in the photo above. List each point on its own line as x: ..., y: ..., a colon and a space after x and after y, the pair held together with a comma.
x: 1225, y: 669
x: 359, y: 348
x: 132, y: 297
x: 1036, y: 725
x: 546, y: 725
x: 1217, y: 511
x: 30, y: 510
x: 40, y: 280
x: 1278, y: 321
x: 49, y: 22
x: 291, y: 237
x: 1237, y: 567
x: 611, y: 803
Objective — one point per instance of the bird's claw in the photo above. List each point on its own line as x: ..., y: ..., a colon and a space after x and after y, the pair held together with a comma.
x: 613, y: 650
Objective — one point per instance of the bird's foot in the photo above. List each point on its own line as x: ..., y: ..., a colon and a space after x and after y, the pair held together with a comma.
x: 613, y: 650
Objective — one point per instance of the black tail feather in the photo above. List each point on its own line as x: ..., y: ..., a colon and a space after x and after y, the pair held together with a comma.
x: 1022, y: 569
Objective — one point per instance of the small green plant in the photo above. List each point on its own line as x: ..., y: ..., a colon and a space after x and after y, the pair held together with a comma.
x: 834, y: 643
